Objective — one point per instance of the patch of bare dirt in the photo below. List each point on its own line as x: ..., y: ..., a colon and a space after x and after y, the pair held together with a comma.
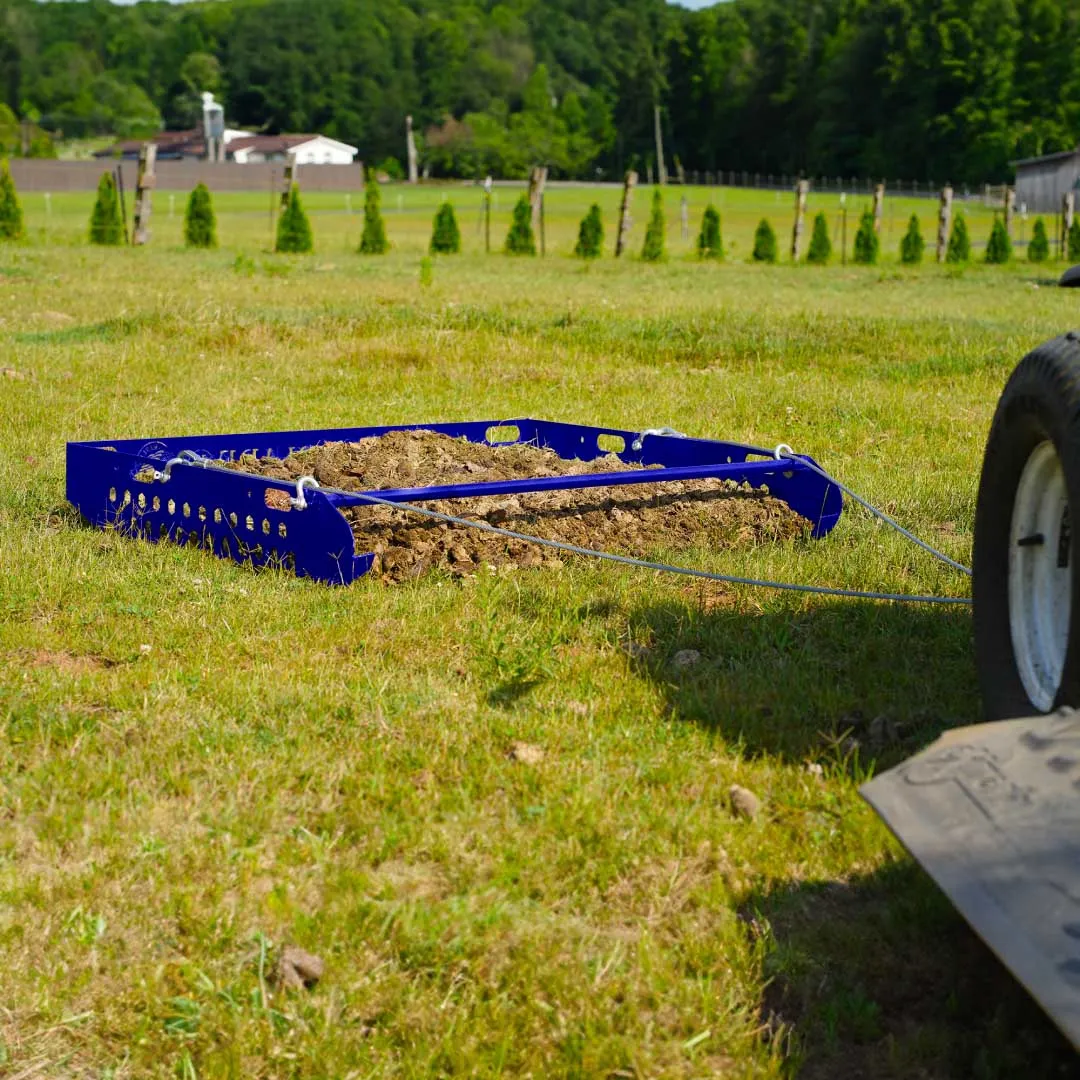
x: 632, y: 520
x: 69, y: 663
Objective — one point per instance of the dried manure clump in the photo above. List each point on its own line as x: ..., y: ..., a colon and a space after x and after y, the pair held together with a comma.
x: 632, y: 519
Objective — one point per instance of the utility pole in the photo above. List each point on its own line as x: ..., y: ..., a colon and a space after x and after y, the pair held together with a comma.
x: 661, y: 171
x: 410, y: 150
x: 944, y: 222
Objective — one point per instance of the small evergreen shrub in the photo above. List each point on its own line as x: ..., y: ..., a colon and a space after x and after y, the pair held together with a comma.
x: 294, y: 229
x: 520, y: 240
x: 590, y: 241
x: 106, y: 228
x: 653, y: 248
x: 373, y: 241
x: 999, y: 246
x: 11, y: 217
x: 445, y: 235
x: 866, y: 240
x: 913, y: 245
x: 1039, y: 248
x: 709, y: 243
x: 200, y: 224
x: 820, y: 245
x: 1074, y: 240
x: 764, y: 243
x: 959, y: 249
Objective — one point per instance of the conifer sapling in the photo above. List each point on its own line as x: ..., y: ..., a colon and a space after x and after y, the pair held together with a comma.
x: 373, y: 241
x: 653, y: 248
x: 294, y: 230
x: 820, y: 245
x: 764, y: 243
x: 445, y: 236
x: 590, y: 242
x: 709, y: 244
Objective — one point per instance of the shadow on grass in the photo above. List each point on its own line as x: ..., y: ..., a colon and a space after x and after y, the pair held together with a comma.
x: 879, y: 977
x: 798, y: 685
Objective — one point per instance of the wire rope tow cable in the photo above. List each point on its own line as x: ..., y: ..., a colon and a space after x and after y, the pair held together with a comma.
x: 782, y: 451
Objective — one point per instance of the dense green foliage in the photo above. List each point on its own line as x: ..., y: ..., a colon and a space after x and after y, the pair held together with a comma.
x: 905, y: 88
x: 820, y: 245
x: 1073, y: 241
x: 709, y: 244
x: 445, y: 234
x: 764, y: 243
x: 866, y: 240
x: 912, y: 246
x: 11, y: 219
x: 373, y: 241
x: 520, y: 239
x: 200, y: 224
x: 959, y: 249
x: 106, y: 225
x: 653, y: 248
x: 590, y: 241
x: 999, y: 246
x: 293, y: 228
x: 1039, y: 248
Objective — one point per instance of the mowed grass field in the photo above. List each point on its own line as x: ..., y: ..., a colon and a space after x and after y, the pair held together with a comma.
x: 201, y: 765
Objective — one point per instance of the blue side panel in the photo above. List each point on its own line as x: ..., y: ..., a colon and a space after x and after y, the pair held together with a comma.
x: 228, y: 512
x: 222, y: 512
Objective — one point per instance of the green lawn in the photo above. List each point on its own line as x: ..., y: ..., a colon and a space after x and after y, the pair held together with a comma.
x: 200, y: 765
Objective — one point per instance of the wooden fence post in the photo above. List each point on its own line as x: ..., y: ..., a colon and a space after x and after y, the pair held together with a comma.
x: 1068, y: 211
x: 624, y: 213
x: 144, y: 186
x: 1010, y: 209
x: 288, y: 178
x: 879, y: 206
x: 537, y: 180
x: 801, y: 190
x: 944, y: 223
x: 684, y: 218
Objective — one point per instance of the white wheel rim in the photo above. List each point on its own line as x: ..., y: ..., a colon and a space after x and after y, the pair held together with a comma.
x: 1040, y: 560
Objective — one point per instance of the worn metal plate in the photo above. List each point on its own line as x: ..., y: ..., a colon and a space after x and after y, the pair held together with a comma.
x: 992, y: 813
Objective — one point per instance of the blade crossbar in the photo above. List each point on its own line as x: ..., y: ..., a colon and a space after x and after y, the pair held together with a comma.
x: 740, y: 471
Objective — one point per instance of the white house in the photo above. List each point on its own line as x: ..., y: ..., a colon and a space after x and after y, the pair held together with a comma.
x: 302, y: 149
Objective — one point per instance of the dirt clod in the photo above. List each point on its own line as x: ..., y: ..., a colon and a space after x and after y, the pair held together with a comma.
x: 744, y: 802
x: 638, y: 520
x: 298, y: 969
x: 526, y: 753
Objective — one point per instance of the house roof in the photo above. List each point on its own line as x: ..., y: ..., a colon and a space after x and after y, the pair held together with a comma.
x: 169, y: 144
x: 1061, y: 155
x: 281, y: 143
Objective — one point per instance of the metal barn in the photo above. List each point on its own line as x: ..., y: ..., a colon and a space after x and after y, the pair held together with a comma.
x: 1041, y: 181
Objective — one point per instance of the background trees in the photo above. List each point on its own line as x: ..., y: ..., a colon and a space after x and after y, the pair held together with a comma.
x: 904, y: 89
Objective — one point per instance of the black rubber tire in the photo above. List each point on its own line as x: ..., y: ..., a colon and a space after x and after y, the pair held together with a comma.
x: 1071, y: 278
x: 1040, y: 401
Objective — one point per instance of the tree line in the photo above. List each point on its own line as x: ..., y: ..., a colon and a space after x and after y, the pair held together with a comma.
x: 946, y: 90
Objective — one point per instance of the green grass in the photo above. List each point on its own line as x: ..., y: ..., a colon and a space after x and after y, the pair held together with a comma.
x: 200, y: 765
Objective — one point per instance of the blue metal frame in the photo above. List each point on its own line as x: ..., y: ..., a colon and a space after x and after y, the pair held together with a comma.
x: 227, y: 512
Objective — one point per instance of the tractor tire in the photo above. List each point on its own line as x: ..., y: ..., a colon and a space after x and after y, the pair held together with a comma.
x: 1024, y: 588
x: 1071, y: 278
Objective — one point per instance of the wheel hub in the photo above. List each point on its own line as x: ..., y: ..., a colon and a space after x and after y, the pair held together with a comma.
x: 1040, y: 583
